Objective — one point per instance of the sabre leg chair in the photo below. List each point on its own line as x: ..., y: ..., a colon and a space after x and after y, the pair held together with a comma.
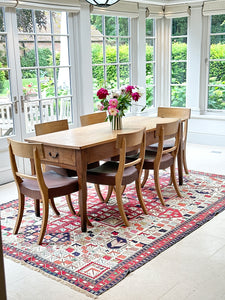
x: 42, y: 185
x: 163, y: 158
x: 181, y: 113
x: 119, y: 173
x: 50, y: 127
x: 89, y: 119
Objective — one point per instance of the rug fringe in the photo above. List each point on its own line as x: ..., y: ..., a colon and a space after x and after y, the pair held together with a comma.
x: 70, y: 285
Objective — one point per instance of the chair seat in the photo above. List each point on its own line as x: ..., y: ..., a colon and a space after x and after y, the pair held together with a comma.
x: 57, y: 185
x: 166, y: 145
x: 108, y: 171
x: 165, y: 162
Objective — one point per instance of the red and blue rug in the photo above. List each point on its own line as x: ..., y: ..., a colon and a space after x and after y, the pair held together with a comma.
x: 97, y: 260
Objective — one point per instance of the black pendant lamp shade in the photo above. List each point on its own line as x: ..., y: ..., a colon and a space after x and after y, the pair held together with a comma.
x: 102, y: 3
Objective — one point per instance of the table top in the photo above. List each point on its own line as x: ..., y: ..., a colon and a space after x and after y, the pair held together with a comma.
x: 97, y: 134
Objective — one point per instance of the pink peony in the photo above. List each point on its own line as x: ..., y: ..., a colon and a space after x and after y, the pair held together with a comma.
x: 102, y: 93
x: 112, y: 111
x: 135, y: 96
x: 113, y: 102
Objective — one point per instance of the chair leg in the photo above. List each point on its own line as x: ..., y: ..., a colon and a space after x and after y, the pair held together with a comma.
x: 44, y: 220
x: 140, y: 197
x: 99, y: 193
x: 88, y: 221
x: 172, y: 171
x: 20, y: 213
x: 146, y: 173
x: 52, y: 203
x: 185, y: 161
x: 37, y: 207
x: 157, y: 186
x: 120, y: 205
x: 70, y: 205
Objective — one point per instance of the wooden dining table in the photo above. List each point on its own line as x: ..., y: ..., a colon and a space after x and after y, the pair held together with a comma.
x: 77, y: 147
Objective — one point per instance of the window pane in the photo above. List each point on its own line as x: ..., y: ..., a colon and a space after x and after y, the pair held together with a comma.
x: 96, y: 23
x: 149, y: 27
x: 216, y: 99
x: 42, y: 21
x: 111, y: 55
x: 178, y: 96
x: 124, y: 75
x: 179, y: 26
x: 63, y: 81
x: 25, y: 20
x: 45, y: 57
x: 179, y: 49
x: 178, y: 72
x: 218, y: 24
x: 123, y: 50
x: 111, y: 72
x: 150, y: 91
x: 110, y: 25
x: 150, y: 46
x: 123, y: 27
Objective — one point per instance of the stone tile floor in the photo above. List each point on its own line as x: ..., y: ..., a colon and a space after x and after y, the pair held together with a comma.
x: 194, y: 268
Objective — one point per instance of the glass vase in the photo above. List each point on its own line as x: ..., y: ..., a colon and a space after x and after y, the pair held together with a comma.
x: 116, y: 122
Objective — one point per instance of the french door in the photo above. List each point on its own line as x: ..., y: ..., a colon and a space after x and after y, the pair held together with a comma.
x: 35, y: 74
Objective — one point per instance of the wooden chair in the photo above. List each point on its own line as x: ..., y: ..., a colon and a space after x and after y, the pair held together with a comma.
x: 90, y: 119
x: 119, y: 173
x: 180, y: 113
x: 50, y: 127
x: 163, y: 158
x: 42, y: 185
x: 94, y: 118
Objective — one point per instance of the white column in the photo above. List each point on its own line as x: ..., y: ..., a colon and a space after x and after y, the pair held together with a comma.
x: 194, y: 45
x: 81, y: 59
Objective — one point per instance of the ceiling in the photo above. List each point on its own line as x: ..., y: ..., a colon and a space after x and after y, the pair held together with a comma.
x: 172, y: 2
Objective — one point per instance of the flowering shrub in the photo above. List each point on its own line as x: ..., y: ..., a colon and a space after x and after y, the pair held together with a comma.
x: 29, y: 90
x: 116, y: 102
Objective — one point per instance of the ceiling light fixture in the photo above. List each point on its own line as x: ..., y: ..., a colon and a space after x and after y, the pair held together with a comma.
x: 102, y: 3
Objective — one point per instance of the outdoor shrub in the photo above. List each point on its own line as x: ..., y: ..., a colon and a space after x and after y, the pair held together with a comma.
x: 2, y: 78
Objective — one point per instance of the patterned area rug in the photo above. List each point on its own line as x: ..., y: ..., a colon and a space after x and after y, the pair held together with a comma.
x: 97, y: 260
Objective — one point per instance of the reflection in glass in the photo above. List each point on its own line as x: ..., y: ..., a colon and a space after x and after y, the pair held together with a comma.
x: 25, y: 20
x: 42, y: 20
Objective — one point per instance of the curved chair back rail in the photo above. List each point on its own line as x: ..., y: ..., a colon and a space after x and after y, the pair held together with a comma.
x: 120, y: 173
x: 94, y: 118
x: 41, y: 185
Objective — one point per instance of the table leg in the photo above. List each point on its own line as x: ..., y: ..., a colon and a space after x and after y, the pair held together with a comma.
x: 180, y: 156
x: 81, y: 167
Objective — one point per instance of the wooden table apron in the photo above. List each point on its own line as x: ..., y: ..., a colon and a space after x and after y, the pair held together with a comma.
x: 75, y: 148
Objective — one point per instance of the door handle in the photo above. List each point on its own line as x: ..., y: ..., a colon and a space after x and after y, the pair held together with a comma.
x: 22, y: 99
x: 15, y: 104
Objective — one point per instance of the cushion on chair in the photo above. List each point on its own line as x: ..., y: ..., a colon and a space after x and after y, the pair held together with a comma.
x: 166, y: 145
x: 57, y: 184
x: 166, y: 160
x: 108, y: 171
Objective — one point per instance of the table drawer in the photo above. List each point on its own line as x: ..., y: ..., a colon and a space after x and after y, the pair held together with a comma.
x: 59, y: 155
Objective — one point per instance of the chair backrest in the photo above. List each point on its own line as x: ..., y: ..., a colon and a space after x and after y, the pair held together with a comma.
x: 126, y: 142
x: 32, y: 151
x: 50, y: 127
x: 182, y: 113
x: 167, y: 131
x: 94, y: 118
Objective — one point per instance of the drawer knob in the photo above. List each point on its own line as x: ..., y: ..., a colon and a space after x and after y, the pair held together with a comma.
x: 53, y: 156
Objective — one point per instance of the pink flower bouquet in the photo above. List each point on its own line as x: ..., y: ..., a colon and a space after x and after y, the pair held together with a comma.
x: 116, y: 102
